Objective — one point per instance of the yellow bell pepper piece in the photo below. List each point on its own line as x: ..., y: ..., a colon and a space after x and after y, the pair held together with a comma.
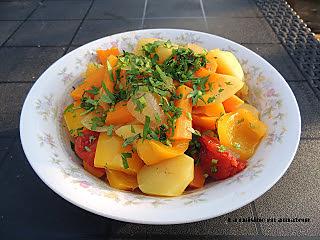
x: 121, y: 180
x: 73, y: 118
x: 151, y: 151
x: 241, y: 131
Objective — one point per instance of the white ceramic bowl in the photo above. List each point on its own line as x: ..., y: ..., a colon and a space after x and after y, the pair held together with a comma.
x: 48, y: 150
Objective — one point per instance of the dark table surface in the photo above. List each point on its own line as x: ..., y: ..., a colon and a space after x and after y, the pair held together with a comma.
x: 33, y: 34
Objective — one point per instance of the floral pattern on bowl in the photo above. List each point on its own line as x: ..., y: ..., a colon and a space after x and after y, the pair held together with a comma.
x: 56, y: 164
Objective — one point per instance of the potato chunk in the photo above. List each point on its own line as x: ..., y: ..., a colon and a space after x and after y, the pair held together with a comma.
x: 108, y: 155
x: 167, y: 178
x: 227, y: 63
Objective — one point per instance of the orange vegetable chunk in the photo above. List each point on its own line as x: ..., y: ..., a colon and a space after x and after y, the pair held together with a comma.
x: 184, y: 122
x: 152, y: 152
x: 210, y: 110
x: 232, y: 103
x: 120, y: 115
x: 95, y: 79
x: 104, y: 54
x: 241, y: 131
x: 198, y: 179
x: 204, y: 122
x: 121, y: 180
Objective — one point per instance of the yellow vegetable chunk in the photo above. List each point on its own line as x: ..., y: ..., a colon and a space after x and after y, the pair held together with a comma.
x: 250, y: 108
x: 162, y: 51
x: 121, y: 180
x: 129, y: 130
x: 241, y: 131
x: 152, y: 152
x: 232, y: 103
x: 108, y: 154
x: 73, y: 118
x: 196, y: 48
x: 227, y: 63
x: 143, y: 41
x: 221, y: 87
x: 167, y: 178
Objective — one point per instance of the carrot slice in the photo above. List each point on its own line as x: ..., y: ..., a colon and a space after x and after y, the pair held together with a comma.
x: 204, y: 122
x: 232, y: 103
x: 198, y: 179
x: 184, y: 122
x: 104, y: 54
x: 210, y: 110
x: 120, y: 115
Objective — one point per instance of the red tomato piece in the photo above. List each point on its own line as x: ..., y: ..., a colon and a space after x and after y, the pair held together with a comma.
x: 217, y: 161
x: 85, y: 145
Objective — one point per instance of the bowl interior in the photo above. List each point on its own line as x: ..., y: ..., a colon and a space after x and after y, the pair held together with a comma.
x: 47, y: 146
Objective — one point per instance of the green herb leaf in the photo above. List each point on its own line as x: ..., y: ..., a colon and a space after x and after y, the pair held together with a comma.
x: 130, y: 140
x: 69, y: 108
x: 132, y: 129
x: 140, y: 103
x: 214, y: 166
x: 109, y: 68
x: 94, y: 90
x: 222, y: 148
x: 189, y: 116
x: 110, y: 129
x: 87, y: 149
x: 236, y: 145
x: 157, y: 117
x: 146, y: 128
x: 240, y: 121
x: 125, y: 157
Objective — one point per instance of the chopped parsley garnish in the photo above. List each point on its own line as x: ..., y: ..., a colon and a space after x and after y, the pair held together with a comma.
x: 108, y: 97
x: 140, y: 103
x: 240, y: 121
x: 213, y: 168
x: 189, y: 115
x: 124, y: 157
x: 236, y: 145
x: 130, y: 140
x: 146, y: 128
x: 109, y: 130
x: 132, y: 129
x: 183, y: 63
x: 222, y: 148
x: 94, y: 90
x: 195, y: 95
x: 87, y: 149
x: 70, y: 108
x: 109, y: 68
x: 97, y: 122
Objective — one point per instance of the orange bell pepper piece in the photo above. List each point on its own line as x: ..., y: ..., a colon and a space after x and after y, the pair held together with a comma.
x: 241, y: 131
x: 120, y: 115
x: 232, y: 103
x: 184, y: 122
x: 212, y: 62
x: 198, y: 179
x: 204, y: 122
x: 94, y: 79
x: 121, y: 180
x: 104, y: 54
x: 107, y: 78
x: 210, y: 110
